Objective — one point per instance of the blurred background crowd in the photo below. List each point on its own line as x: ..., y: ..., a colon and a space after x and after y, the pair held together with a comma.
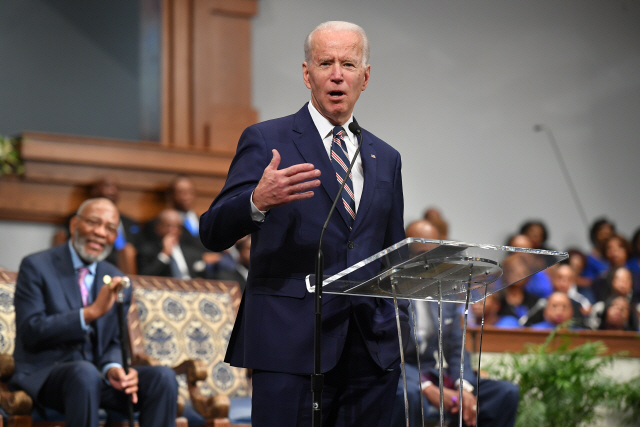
x: 596, y: 288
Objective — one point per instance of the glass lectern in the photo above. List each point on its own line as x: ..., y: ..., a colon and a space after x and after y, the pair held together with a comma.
x: 442, y: 271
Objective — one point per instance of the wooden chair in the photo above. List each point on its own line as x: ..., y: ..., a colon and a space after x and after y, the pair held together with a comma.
x: 167, y: 316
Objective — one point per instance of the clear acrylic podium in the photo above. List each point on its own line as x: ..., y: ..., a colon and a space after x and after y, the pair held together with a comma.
x: 442, y: 271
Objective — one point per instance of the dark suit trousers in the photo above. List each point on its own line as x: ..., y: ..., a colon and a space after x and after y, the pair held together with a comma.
x: 78, y: 390
x: 357, y: 392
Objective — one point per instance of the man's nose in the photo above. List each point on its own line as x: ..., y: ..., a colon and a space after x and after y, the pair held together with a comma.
x: 336, y: 72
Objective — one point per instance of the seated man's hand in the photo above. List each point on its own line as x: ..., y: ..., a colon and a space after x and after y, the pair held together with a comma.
x: 451, y: 403
x: 468, y: 408
x: 124, y: 382
x: 104, y: 301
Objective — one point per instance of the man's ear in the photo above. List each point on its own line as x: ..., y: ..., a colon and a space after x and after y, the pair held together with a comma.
x: 305, y: 74
x: 73, y: 224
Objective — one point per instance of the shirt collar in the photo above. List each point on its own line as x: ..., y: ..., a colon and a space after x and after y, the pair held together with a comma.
x: 325, y: 127
x: 77, y: 262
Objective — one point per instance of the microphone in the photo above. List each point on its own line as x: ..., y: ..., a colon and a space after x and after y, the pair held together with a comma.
x: 564, y: 169
x: 317, y: 378
x: 354, y: 127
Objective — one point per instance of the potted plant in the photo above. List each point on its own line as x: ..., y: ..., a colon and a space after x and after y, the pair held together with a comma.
x: 10, y: 160
x: 566, y: 387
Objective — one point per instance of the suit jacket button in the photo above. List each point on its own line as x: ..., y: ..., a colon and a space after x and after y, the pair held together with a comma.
x: 351, y: 245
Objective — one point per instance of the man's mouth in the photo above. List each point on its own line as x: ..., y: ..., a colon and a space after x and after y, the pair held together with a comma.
x: 336, y: 93
x: 93, y: 245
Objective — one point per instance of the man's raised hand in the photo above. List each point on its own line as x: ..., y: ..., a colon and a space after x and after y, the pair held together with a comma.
x: 280, y: 187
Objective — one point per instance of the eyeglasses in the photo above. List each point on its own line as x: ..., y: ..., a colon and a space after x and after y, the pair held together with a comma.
x: 94, y: 222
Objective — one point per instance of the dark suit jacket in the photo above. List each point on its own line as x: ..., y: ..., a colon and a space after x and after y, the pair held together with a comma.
x: 274, y: 327
x: 149, y: 264
x: 48, y: 328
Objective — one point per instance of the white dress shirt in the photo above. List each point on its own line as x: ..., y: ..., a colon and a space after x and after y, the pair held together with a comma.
x: 325, y: 129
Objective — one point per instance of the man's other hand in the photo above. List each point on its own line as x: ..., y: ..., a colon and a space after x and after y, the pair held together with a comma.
x: 124, y: 382
x: 280, y: 187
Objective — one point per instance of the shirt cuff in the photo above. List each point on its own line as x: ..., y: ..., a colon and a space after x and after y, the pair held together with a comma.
x: 106, y: 368
x: 466, y: 385
x: 82, y: 322
x: 256, y: 214
x: 164, y: 258
x: 425, y: 384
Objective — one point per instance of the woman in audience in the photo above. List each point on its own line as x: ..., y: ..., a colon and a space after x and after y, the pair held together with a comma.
x: 619, y: 283
x: 618, y: 315
x: 617, y: 250
x: 536, y: 231
x: 600, y: 232
x: 578, y: 261
x: 538, y: 284
x: 516, y: 301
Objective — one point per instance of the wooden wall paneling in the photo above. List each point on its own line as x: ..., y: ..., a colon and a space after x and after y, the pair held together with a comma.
x: 499, y: 340
x: 177, y: 73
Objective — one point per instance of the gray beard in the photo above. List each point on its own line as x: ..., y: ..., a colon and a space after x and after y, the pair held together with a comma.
x: 79, y: 243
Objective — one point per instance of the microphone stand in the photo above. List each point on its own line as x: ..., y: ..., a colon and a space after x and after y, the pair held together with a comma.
x: 317, y: 378
x: 124, y: 342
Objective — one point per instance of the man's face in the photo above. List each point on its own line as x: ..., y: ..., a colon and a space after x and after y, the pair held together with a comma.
x: 563, y: 278
x: 169, y: 222
x: 558, y: 308
x: 94, y: 230
x: 183, y: 194
x: 336, y: 74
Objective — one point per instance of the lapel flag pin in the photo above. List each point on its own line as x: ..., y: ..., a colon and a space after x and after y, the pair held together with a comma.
x: 373, y: 156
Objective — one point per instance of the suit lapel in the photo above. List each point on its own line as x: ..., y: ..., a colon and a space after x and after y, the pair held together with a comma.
x: 369, y: 166
x: 67, y: 277
x: 308, y: 142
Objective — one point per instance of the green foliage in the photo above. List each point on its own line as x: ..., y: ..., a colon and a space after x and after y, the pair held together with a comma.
x: 563, y: 387
x: 10, y: 161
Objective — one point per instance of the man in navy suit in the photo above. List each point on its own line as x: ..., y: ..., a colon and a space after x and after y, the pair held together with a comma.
x: 67, y: 352
x: 498, y: 399
x: 279, y: 189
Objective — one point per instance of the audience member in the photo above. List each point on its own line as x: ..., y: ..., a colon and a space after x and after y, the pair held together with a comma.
x: 536, y: 231
x: 165, y: 254
x: 578, y: 260
x: 124, y: 254
x: 498, y: 399
x: 599, y: 233
x: 235, y: 269
x: 492, y: 305
x: 67, y: 350
x: 563, y: 280
x: 634, y: 261
x: 619, y: 282
x: 434, y: 216
x: 557, y: 311
x: 516, y: 300
x: 618, y: 315
x: 616, y: 250
x: 539, y: 284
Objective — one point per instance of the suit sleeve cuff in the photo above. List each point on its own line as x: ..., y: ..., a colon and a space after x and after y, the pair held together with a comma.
x: 164, y: 258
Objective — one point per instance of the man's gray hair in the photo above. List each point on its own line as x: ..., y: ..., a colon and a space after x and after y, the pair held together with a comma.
x: 87, y: 202
x: 338, y: 26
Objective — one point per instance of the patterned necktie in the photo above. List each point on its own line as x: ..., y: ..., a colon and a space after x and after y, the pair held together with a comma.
x: 340, y: 162
x: 84, y: 292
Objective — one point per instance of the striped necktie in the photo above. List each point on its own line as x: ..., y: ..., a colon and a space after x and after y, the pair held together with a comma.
x: 340, y: 161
